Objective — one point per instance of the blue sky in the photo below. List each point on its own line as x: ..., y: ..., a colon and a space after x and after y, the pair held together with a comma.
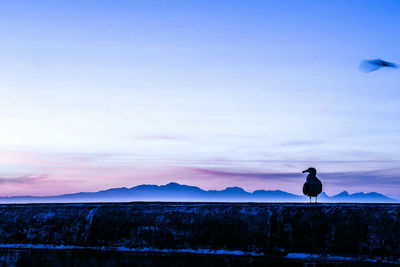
x: 99, y: 94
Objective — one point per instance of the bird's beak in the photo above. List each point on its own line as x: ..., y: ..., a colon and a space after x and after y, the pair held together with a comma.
x: 305, y: 171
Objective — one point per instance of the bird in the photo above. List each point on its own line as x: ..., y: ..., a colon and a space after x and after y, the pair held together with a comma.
x: 375, y: 64
x: 313, y: 186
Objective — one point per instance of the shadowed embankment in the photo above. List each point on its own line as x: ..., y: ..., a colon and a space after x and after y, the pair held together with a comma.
x: 348, y: 230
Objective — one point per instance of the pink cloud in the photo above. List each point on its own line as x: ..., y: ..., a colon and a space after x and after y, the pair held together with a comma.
x: 27, y: 179
x: 59, y: 173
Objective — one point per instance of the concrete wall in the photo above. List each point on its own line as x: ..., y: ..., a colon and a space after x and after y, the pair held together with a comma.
x: 340, y: 229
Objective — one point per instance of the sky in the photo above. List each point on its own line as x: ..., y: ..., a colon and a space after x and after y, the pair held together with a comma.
x: 102, y: 94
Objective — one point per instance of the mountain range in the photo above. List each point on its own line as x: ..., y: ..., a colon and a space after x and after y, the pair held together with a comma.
x: 178, y: 192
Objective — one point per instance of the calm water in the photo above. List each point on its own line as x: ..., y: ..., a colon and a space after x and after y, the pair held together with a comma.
x: 55, y: 258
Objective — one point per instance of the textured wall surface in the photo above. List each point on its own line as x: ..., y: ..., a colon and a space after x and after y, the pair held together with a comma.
x: 341, y: 229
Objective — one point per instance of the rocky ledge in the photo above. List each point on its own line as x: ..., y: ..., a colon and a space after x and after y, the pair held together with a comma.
x: 353, y: 230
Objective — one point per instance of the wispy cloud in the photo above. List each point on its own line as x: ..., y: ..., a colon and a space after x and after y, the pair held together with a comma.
x: 161, y: 137
x: 27, y: 179
x: 388, y: 177
x: 303, y: 143
x: 383, y: 181
x: 377, y: 177
x: 246, y: 174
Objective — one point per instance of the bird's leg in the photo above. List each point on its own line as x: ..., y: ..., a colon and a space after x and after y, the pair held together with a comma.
x: 310, y: 199
x: 316, y: 198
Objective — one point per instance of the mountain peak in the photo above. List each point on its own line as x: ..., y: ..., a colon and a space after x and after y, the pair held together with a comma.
x: 343, y: 194
x: 234, y: 189
x: 178, y: 192
x: 172, y: 184
x: 323, y: 194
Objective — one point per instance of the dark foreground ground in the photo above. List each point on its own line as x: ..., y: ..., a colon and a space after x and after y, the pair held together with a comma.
x: 67, y: 258
x: 199, y: 234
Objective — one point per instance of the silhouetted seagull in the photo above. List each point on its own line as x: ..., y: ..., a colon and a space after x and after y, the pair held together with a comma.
x: 313, y: 186
x: 375, y: 64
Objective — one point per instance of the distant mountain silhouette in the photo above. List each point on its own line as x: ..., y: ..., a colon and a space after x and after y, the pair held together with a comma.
x: 178, y: 192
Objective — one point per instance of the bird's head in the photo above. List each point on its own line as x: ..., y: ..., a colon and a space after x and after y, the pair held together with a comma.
x: 311, y: 171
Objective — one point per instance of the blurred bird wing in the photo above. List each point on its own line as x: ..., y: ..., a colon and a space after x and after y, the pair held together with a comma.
x: 374, y: 64
x: 390, y: 64
x: 369, y: 66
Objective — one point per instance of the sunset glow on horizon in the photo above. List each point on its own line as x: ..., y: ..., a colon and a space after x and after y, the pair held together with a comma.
x: 97, y: 95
